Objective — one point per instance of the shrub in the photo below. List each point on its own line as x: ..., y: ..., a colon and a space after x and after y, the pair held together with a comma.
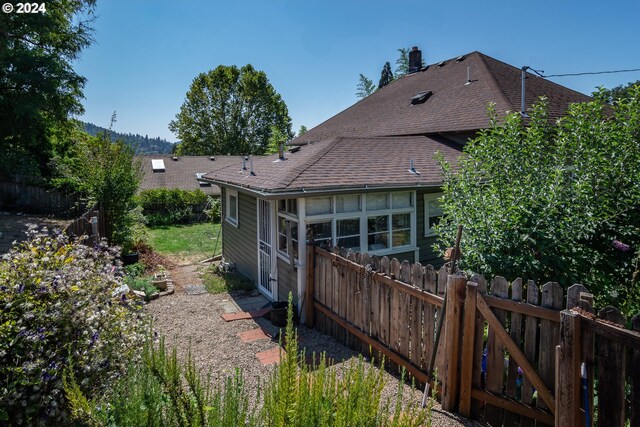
x: 163, y: 391
x: 60, y: 310
x: 213, y: 210
x: 164, y: 206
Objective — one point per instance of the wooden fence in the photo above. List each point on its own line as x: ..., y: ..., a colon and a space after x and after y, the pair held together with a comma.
x: 497, y: 355
x: 598, y: 347
x: 38, y: 200
x: 91, y: 224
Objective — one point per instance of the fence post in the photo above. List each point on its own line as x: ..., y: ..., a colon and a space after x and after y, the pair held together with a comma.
x: 568, y: 371
x: 310, y: 290
x: 452, y: 336
x: 468, y: 345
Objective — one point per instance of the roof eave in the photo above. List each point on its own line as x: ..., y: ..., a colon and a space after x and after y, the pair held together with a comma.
x: 279, y: 193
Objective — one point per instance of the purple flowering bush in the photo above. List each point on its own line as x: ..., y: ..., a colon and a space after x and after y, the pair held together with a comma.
x: 59, y: 310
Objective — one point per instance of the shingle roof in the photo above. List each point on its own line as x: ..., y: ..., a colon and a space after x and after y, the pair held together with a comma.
x: 181, y: 173
x: 453, y: 107
x: 343, y: 163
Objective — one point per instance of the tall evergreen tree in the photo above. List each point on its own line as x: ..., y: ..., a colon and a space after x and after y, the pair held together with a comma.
x: 365, y: 87
x: 386, y: 76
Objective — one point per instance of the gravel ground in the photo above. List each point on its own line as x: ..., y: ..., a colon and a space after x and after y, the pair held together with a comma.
x: 194, y: 321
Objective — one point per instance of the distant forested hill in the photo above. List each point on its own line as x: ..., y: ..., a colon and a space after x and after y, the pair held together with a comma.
x: 142, y: 143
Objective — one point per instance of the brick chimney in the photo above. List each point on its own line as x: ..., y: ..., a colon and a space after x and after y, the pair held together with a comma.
x: 415, y: 60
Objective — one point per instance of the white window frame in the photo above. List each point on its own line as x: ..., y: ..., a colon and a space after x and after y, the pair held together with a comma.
x: 363, y: 215
x: 429, y: 197
x: 287, y: 215
x: 227, y: 202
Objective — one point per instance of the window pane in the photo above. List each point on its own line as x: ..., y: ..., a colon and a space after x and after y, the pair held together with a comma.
x: 282, y: 205
x: 378, y: 223
x: 402, y: 200
x: 401, y: 221
x: 319, y: 206
x: 233, y: 207
x: 377, y: 201
x: 292, y: 206
x: 401, y: 238
x: 435, y: 209
x: 348, y: 227
x: 348, y: 203
x: 282, y: 243
x: 320, y: 230
x: 378, y: 241
x: 378, y: 229
x: 352, y: 243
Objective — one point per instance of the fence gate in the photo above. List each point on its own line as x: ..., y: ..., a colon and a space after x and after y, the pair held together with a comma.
x: 265, y: 284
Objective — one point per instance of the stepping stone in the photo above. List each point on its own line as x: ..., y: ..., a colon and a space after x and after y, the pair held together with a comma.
x: 228, y: 317
x: 254, y: 335
x: 195, y: 289
x: 270, y: 356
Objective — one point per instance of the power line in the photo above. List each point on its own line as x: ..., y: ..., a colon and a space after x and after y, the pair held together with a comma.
x: 590, y: 73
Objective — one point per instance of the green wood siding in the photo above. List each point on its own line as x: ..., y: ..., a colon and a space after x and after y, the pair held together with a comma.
x: 240, y: 244
x: 402, y: 256
x: 425, y: 244
x: 287, y: 281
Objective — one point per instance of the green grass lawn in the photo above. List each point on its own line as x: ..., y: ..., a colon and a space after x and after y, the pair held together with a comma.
x: 191, y: 242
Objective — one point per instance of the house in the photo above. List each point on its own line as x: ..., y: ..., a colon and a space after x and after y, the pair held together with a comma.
x: 366, y: 179
x: 182, y: 172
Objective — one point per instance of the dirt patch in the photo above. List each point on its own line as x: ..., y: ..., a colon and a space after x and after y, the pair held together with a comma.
x: 13, y: 227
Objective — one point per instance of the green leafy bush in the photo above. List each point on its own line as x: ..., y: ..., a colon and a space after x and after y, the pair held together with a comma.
x: 164, y: 206
x: 60, y: 310
x: 214, y: 208
x: 553, y: 202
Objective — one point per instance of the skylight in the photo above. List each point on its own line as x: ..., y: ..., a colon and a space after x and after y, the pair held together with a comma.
x: 157, y: 165
x: 420, y: 97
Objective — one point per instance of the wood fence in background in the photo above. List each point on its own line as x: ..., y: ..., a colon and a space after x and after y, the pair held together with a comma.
x: 38, y: 200
x: 497, y: 355
x: 91, y: 224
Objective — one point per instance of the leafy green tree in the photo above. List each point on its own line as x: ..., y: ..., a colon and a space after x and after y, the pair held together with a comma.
x: 365, y: 87
x: 386, y: 76
x: 230, y: 110
x: 38, y: 86
x: 557, y: 203
x: 303, y: 129
x: 611, y: 95
x: 107, y: 173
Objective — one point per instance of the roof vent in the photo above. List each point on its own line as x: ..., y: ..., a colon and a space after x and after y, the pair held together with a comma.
x: 460, y: 58
x: 212, y: 158
x: 441, y: 64
x: 412, y: 168
x: 157, y: 165
x: 175, y: 158
x: 421, y: 97
x: 294, y: 149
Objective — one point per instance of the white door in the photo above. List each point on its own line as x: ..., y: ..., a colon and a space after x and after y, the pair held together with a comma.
x: 266, y: 283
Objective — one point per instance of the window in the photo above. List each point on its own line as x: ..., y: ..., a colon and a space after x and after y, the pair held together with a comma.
x: 288, y: 227
x: 348, y: 233
x: 432, y: 212
x: 374, y: 222
x: 321, y: 233
x: 318, y: 206
x: 348, y: 203
x: 231, y: 211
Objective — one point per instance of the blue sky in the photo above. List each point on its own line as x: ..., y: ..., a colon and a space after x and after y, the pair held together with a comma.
x: 147, y: 52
